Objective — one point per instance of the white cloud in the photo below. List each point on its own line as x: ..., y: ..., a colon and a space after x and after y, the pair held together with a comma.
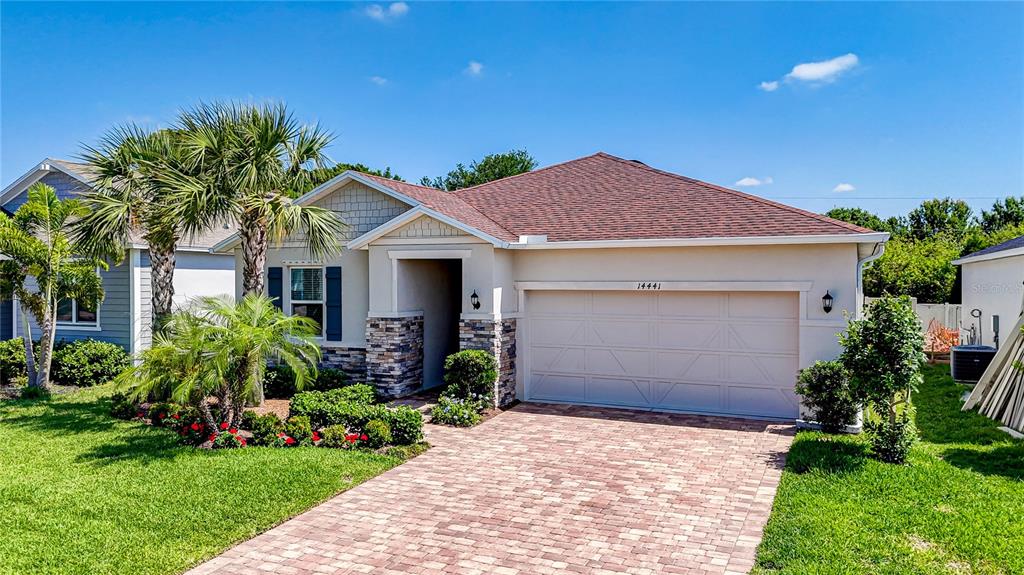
x: 392, y: 11
x: 815, y: 72
x: 379, y: 80
x: 474, y: 68
x: 750, y: 182
x: 844, y: 187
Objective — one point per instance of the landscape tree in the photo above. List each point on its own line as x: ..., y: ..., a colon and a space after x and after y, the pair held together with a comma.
x: 940, y: 217
x: 858, y: 217
x: 319, y: 176
x: 43, y: 266
x: 247, y: 163
x: 221, y: 350
x: 491, y: 167
x: 922, y: 269
x: 128, y: 201
x: 1006, y: 213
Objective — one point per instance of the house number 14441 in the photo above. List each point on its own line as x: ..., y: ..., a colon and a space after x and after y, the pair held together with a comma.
x: 648, y: 285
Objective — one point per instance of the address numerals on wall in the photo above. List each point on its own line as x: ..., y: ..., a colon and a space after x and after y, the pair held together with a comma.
x: 648, y: 285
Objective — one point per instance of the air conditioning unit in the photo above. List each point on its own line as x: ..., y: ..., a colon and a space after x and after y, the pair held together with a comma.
x: 968, y: 362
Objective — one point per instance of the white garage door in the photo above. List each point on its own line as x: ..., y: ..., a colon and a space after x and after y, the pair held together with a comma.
x: 711, y: 352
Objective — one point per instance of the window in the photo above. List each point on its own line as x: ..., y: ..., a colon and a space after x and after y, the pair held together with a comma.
x: 74, y: 312
x: 307, y: 296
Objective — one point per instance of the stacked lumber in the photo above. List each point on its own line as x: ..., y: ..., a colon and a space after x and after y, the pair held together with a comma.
x: 999, y: 393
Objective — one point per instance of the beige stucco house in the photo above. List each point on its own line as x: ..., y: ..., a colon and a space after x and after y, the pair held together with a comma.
x: 597, y: 281
x: 993, y: 283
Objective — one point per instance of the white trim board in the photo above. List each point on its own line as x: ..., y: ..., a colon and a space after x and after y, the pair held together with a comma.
x: 990, y: 256
x: 47, y: 166
x: 632, y: 285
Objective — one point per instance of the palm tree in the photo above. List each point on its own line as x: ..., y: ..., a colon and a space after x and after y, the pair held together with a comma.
x: 43, y: 265
x: 247, y: 162
x: 221, y: 349
x: 127, y: 200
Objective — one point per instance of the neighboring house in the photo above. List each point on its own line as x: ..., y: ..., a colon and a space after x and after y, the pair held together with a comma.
x: 124, y: 317
x: 597, y: 281
x: 993, y: 282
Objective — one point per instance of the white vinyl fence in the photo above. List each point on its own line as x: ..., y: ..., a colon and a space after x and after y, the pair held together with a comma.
x: 947, y: 314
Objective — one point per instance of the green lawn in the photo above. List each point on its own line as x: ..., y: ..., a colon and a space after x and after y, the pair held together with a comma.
x: 956, y: 507
x: 81, y: 492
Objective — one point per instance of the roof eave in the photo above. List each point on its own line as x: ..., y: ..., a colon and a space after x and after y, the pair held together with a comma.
x: 873, y: 237
x: 990, y: 256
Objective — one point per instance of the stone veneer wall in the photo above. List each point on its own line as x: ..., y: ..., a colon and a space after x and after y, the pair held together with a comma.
x: 498, y: 337
x: 394, y: 354
x: 351, y: 360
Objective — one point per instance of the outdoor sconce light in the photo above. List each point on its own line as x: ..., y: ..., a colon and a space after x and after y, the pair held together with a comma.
x: 475, y: 300
x: 826, y: 302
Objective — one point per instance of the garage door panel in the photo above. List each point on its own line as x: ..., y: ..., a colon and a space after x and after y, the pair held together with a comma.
x: 713, y: 352
x: 619, y: 391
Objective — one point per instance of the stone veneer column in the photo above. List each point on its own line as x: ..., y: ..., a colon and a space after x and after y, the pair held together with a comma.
x: 499, y: 338
x: 351, y: 360
x: 394, y: 354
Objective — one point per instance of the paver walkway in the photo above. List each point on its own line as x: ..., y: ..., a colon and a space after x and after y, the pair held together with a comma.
x: 545, y: 489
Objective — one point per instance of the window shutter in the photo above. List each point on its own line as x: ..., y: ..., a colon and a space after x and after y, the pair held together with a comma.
x: 332, y: 301
x: 275, y: 291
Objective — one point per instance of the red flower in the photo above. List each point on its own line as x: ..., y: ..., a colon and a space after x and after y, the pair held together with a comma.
x: 241, y: 440
x: 176, y: 416
x: 139, y: 415
x: 363, y: 437
x: 213, y: 437
x: 280, y: 434
x: 289, y: 440
x: 316, y: 436
x: 233, y: 431
x: 161, y: 416
x: 195, y: 427
x: 224, y: 425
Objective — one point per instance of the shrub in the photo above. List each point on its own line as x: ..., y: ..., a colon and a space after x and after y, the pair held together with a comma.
x: 265, y: 429
x: 227, y: 440
x: 406, y: 425
x: 378, y: 433
x: 457, y: 412
x: 34, y: 393
x: 279, y: 381
x: 358, y: 393
x: 12, y: 360
x: 122, y: 406
x: 825, y: 387
x: 891, y: 442
x: 329, y: 378
x: 193, y: 431
x: 298, y: 428
x: 163, y: 414
x: 88, y: 362
x: 470, y: 374
x: 336, y: 436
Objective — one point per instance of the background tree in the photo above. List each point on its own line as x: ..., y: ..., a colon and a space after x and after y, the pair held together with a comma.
x: 1006, y: 213
x: 44, y: 266
x: 491, y: 167
x: 860, y: 217
x: 922, y: 269
x: 129, y: 201
x: 319, y: 176
x: 248, y: 162
x: 947, y: 217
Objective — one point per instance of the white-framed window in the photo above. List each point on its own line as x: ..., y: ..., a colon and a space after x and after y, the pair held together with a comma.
x: 72, y: 312
x: 307, y: 293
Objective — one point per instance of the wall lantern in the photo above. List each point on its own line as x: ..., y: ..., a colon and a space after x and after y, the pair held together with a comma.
x: 826, y: 302
x: 475, y: 300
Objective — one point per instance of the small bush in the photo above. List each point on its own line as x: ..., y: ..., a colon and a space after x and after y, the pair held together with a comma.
x: 12, y: 360
x: 457, y: 412
x: 227, y: 440
x: 406, y: 452
x: 298, y: 428
x: 122, y: 406
x: 265, y: 429
x: 279, y: 381
x: 357, y: 393
x: 825, y: 387
x: 34, y: 393
x: 329, y: 378
x: 193, y: 431
x: 406, y: 425
x: 163, y: 414
x: 378, y: 433
x: 88, y: 362
x: 891, y: 441
x: 325, y: 409
x: 337, y: 437
x: 470, y: 374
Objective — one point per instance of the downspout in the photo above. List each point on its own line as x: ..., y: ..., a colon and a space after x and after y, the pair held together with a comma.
x: 862, y: 264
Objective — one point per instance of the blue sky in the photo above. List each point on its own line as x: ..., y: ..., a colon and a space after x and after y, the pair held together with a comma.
x: 900, y: 101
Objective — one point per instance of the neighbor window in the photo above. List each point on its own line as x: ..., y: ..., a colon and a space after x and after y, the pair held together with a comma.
x: 307, y: 297
x: 75, y: 312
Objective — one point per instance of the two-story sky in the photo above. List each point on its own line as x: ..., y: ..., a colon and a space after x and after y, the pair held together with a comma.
x: 815, y: 105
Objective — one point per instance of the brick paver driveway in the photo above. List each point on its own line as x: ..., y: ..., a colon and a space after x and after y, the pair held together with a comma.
x: 546, y: 489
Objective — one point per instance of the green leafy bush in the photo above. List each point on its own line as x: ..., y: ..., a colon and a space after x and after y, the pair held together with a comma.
x: 825, y: 387
x: 122, y: 406
x: 163, y: 414
x: 329, y: 378
x: 228, y: 440
x: 457, y: 412
x: 298, y: 428
x: 279, y: 381
x: 357, y: 393
x: 891, y: 441
x: 406, y: 424
x: 265, y: 429
x: 88, y: 362
x: 12, y: 360
x: 378, y: 434
x: 470, y: 374
x: 337, y: 437
x: 325, y: 409
x: 34, y: 393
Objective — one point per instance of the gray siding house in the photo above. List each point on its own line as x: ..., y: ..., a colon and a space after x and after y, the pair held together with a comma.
x: 124, y: 316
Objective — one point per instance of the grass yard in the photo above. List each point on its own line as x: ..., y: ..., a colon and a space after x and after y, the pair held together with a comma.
x: 957, y: 507
x: 81, y: 492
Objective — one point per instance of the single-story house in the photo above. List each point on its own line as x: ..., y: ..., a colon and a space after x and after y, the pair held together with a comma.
x: 124, y: 317
x: 598, y: 281
x: 993, y: 282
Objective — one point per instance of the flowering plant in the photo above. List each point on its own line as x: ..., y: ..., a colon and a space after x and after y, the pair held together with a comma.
x: 457, y: 412
x: 227, y: 440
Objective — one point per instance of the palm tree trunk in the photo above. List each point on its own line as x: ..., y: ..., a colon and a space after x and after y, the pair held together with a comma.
x: 49, y: 333
x: 253, y: 232
x: 162, y: 280
x: 30, y: 352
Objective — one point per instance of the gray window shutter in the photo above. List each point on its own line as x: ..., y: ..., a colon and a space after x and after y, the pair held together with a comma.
x: 275, y: 290
x: 332, y: 307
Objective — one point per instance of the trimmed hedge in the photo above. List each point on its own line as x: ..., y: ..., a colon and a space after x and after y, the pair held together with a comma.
x: 470, y: 374
x: 346, y: 407
x: 87, y: 362
x: 279, y: 381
